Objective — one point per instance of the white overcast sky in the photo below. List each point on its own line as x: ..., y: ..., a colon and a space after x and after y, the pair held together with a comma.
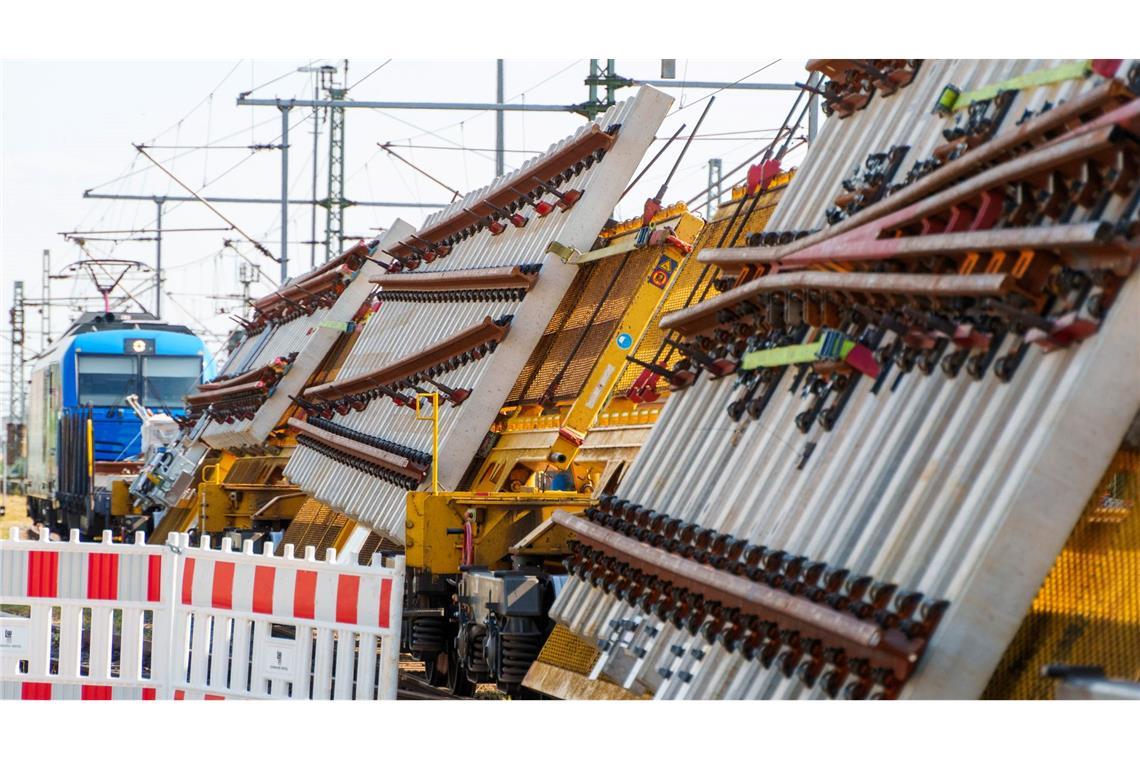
x: 69, y: 126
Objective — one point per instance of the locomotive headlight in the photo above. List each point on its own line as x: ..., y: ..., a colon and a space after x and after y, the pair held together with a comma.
x: 138, y: 345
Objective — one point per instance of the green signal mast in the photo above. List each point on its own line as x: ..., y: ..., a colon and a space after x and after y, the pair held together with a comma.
x: 334, y: 202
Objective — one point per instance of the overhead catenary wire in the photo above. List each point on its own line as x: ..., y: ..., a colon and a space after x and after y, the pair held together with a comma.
x: 652, y: 161
x: 424, y: 131
x: 487, y: 154
x: 477, y: 150
x: 208, y: 146
x: 436, y: 134
x: 134, y: 172
x: 194, y: 262
x: 201, y: 102
x: 209, y: 205
x: 189, y: 313
x: 84, y: 233
x: 714, y: 92
x: 385, y: 147
x: 238, y: 163
x: 536, y: 85
x: 370, y: 73
x: 252, y: 90
x: 768, y: 148
x: 206, y: 154
x: 680, y: 172
x: 130, y: 171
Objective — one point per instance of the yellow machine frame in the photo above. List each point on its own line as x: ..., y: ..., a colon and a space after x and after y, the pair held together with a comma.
x: 515, y: 523
x: 594, y: 402
x: 436, y: 521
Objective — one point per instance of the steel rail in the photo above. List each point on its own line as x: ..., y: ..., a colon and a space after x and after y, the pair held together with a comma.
x: 494, y: 278
x: 393, y: 462
x: 861, y: 639
x: 703, y: 316
x: 487, y: 331
x: 1039, y: 129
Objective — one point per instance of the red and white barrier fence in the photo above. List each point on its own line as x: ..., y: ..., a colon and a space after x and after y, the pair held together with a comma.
x: 120, y: 621
x: 82, y: 620
x: 248, y: 625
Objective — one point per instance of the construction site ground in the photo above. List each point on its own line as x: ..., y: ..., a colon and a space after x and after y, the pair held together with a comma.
x: 15, y: 515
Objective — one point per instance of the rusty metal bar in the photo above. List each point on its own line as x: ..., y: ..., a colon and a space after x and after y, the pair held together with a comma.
x: 316, y: 281
x: 1088, y: 237
x: 378, y: 457
x: 703, y: 316
x: 353, y: 257
x: 267, y: 372
x: 862, y: 639
x: 222, y: 394
x: 529, y: 179
x: 1126, y: 116
x: 1040, y: 128
x: 307, y: 288
x: 494, y: 278
x: 1034, y: 164
x: 487, y: 331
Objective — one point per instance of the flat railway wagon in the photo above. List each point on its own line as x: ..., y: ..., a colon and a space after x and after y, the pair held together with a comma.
x: 81, y: 431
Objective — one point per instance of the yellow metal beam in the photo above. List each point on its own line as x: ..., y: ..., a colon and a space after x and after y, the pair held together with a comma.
x: 435, y: 522
x: 663, y: 264
x: 433, y: 398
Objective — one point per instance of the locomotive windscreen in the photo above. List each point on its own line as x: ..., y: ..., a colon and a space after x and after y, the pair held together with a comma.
x: 168, y: 378
x: 161, y: 381
x: 107, y: 380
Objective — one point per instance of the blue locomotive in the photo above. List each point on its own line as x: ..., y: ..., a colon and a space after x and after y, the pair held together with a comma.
x: 81, y: 431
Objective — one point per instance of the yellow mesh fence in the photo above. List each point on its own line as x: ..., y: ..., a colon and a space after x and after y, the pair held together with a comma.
x: 565, y: 650
x: 582, y: 325
x: 315, y: 525
x: 1088, y: 609
x: 321, y: 527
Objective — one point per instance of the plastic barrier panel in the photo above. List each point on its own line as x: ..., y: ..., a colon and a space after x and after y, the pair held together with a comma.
x: 118, y: 621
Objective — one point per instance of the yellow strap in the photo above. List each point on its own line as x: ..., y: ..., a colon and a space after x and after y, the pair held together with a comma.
x: 1075, y: 70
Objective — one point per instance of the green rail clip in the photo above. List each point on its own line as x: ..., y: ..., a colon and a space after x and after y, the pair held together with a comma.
x: 831, y: 346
